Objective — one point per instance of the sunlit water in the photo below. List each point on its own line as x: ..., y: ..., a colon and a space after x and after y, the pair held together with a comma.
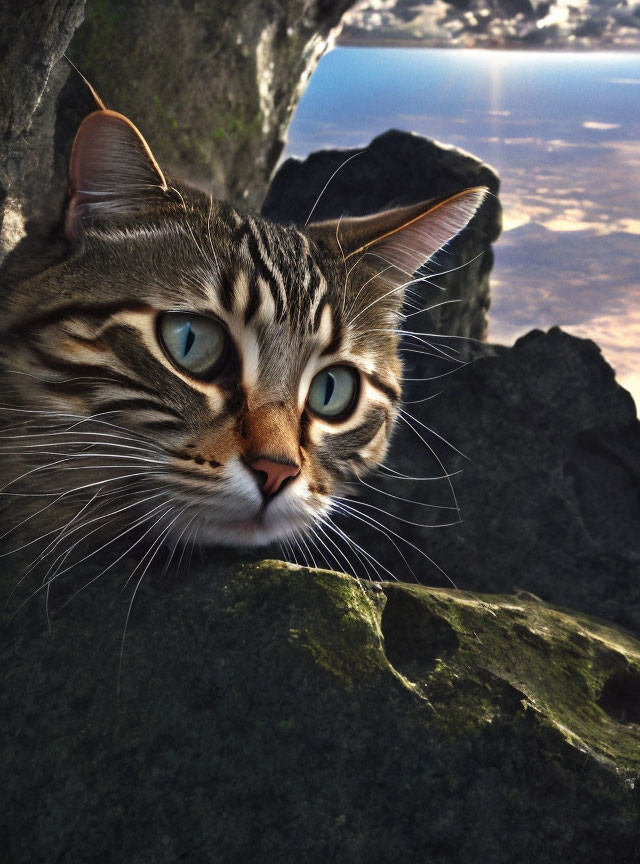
x: 563, y: 133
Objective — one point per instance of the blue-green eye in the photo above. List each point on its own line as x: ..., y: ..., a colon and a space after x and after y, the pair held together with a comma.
x: 333, y: 392
x: 196, y: 344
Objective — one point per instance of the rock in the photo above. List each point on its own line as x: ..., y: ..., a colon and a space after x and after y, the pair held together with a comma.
x: 273, y: 713
x: 400, y: 168
x: 549, y: 493
x: 212, y: 86
x: 33, y: 36
x: 215, y: 83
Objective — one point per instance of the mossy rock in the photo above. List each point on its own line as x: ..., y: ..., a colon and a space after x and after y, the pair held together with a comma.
x: 268, y: 712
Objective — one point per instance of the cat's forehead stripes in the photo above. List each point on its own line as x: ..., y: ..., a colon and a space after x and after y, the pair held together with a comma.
x: 283, y: 274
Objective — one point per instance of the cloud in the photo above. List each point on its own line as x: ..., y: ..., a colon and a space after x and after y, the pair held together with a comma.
x: 585, y: 282
x: 594, y: 124
x: 590, y: 24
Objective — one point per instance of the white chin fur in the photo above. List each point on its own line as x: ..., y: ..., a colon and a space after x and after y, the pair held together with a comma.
x: 249, y: 532
x: 238, y: 519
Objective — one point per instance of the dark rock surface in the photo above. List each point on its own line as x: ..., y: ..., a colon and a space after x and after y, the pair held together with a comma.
x: 211, y: 85
x: 549, y: 492
x: 33, y: 36
x: 214, y: 83
x: 269, y: 713
x: 400, y: 168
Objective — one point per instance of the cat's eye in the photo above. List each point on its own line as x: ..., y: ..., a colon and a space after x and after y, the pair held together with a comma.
x: 333, y: 392
x: 197, y: 344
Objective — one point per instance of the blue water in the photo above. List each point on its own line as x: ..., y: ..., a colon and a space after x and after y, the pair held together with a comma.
x: 358, y: 91
x: 562, y: 131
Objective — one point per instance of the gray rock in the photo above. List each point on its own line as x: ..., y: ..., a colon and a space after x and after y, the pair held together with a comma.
x: 215, y: 83
x: 212, y: 86
x: 270, y: 713
x: 400, y: 168
x: 549, y: 492
x: 33, y: 36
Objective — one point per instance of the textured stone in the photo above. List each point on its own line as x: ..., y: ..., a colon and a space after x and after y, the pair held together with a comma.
x: 212, y: 85
x: 400, y: 168
x: 549, y: 492
x: 270, y: 713
x: 33, y: 36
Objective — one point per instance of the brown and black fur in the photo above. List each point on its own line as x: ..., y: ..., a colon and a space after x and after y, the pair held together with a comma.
x: 98, y: 418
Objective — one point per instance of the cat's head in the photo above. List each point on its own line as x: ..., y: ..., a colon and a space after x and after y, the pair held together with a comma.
x: 237, y: 370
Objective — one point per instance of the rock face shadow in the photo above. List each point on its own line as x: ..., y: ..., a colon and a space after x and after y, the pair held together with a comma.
x: 415, y: 640
x: 620, y: 697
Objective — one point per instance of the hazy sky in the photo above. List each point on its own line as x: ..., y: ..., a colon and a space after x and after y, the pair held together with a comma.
x: 563, y: 133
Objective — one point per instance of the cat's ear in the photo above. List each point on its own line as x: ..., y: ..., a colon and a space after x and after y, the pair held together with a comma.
x: 402, y: 239
x: 112, y: 172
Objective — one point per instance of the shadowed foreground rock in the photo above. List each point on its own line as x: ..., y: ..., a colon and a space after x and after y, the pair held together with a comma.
x: 399, y: 168
x: 272, y: 713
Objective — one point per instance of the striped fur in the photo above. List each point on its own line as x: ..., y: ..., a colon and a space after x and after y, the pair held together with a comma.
x: 89, y: 380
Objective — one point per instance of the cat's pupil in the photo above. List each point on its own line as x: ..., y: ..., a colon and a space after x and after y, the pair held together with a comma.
x: 195, y: 343
x: 333, y: 391
x: 189, y: 338
x: 330, y: 387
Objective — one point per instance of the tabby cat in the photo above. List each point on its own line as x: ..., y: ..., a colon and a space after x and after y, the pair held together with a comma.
x: 188, y: 369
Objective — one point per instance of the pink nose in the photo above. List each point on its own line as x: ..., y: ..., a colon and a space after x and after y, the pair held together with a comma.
x: 276, y: 473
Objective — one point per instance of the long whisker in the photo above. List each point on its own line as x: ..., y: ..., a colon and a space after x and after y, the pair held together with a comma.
x: 399, y: 518
x: 332, y: 557
x: 324, y: 528
x: 177, y: 542
x: 406, y: 500
x: 396, y: 474
x: 435, y: 456
x: 408, y: 416
x: 86, y: 486
x: 420, y: 401
x: 98, y: 436
x: 383, y: 529
x: 442, y: 375
x: 46, y: 584
x: 302, y: 540
x: 79, y: 419
x: 356, y: 546
x: 324, y: 188
x: 111, y: 541
x: 159, y: 541
x: 103, y: 520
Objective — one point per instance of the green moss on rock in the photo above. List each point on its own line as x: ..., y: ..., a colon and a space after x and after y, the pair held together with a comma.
x: 557, y: 662
x: 273, y: 713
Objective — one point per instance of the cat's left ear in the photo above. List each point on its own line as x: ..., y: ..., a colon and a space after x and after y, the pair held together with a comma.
x: 112, y: 173
x: 400, y: 241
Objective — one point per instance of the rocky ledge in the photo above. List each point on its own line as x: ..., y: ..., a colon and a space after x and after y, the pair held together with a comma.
x: 211, y: 85
x: 399, y: 168
x: 272, y: 713
x: 544, y: 456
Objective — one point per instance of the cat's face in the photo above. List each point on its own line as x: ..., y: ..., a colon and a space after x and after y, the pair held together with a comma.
x: 233, y: 371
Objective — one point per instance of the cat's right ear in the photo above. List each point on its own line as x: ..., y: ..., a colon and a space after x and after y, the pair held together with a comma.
x: 112, y: 173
